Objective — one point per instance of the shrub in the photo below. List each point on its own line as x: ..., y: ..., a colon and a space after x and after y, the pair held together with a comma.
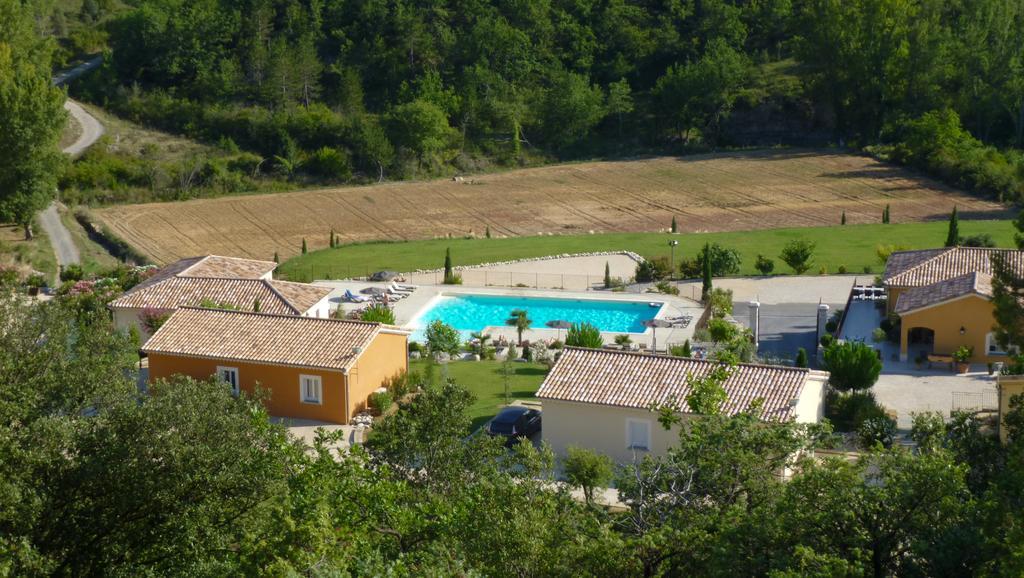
x: 720, y: 302
x: 764, y: 265
x: 979, y: 240
x: 848, y: 411
x: 36, y: 280
x: 801, y: 358
x: 152, y: 319
x: 415, y: 346
x: 877, y: 430
x: 963, y: 354
x: 72, y: 272
x: 667, y: 288
x: 721, y: 330
x: 378, y: 313
x: 841, y: 270
x: 852, y: 365
x: 867, y: 269
x: 653, y: 270
x: 883, y: 252
x: 623, y: 340
x: 442, y: 338
x: 330, y: 163
x: 681, y: 350
x: 823, y: 270
x: 928, y: 430
x: 826, y: 340
x: 797, y: 254
x: 831, y: 325
x: 723, y: 261
x: 380, y: 401
x: 512, y: 352
x: 556, y: 344
x: 584, y: 335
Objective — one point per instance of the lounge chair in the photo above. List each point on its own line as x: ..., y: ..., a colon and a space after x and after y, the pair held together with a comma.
x: 353, y: 298
x: 407, y: 288
x: 395, y: 290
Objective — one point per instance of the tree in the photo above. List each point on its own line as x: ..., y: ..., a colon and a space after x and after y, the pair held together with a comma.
x: 619, y: 103
x: 520, y: 319
x: 569, y: 109
x: 885, y: 215
x: 587, y: 469
x: 1018, y: 236
x: 720, y: 302
x: 853, y: 366
x: 675, y: 226
x: 32, y: 117
x: 706, y: 286
x: 442, y: 338
x: 421, y: 127
x: 723, y: 261
x: 764, y: 265
x: 953, y: 234
x: 584, y: 335
x: 607, y: 275
x: 707, y: 393
x: 378, y: 313
x: 277, y: 259
x: 797, y: 254
x: 303, y: 245
x: 842, y: 220
x: 481, y: 338
x: 1007, y: 307
x: 449, y: 274
x: 801, y: 358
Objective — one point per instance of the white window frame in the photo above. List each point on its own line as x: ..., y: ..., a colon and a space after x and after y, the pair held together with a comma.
x: 319, y: 383
x: 990, y: 342
x: 629, y: 434
x: 236, y: 387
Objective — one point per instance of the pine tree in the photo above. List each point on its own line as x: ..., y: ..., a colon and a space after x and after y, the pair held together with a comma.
x: 607, y: 275
x: 953, y: 236
x: 706, y: 289
x: 675, y: 226
x: 842, y: 221
x: 303, y: 245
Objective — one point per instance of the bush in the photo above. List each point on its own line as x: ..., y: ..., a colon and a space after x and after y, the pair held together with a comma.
x: 681, y: 350
x: 329, y: 163
x: 512, y: 352
x: 841, y: 270
x: 587, y: 469
x: 723, y: 261
x: 801, y: 358
x: 72, y: 272
x: 852, y: 365
x: 877, y: 430
x: 380, y: 401
x: 442, y: 338
x: 415, y: 346
x: 378, y: 313
x: 879, y: 335
x: 667, y: 288
x: 584, y: 335
x: 764, y: 265
x: 826, y: 340
x: 721, y: 331
x: 653, y: 270
x: 720, y: 302
x: 797, y: 254
x: 848, y: 411
x: 979, y: 240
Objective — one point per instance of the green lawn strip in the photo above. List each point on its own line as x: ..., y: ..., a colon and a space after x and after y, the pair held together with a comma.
x: 485, y: 381
x: 851, y: 245
x: 94, y: 258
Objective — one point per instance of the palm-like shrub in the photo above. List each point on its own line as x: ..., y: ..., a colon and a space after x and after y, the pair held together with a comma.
x: 584, y: 335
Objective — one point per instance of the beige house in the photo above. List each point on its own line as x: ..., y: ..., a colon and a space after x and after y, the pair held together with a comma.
x: 241, y: 283
x: 944, y: 300
x: 601, y: 399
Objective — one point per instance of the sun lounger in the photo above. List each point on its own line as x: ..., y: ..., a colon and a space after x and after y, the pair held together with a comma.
x: 394, y: 290
x: 407, y: 288
x: 352, y: 297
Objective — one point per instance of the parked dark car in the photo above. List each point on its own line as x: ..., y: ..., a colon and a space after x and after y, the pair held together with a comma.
x: 514, y: 423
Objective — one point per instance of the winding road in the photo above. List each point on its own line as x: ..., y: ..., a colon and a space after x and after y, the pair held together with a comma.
x: 63, y: 245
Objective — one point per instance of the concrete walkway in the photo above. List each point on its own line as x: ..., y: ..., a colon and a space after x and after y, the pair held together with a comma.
x: 60, y: 238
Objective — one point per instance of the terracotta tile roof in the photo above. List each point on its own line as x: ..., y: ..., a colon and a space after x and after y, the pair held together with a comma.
x: 263, y: 338
x: 921, y: 268
x: 920, y: 297
x: 223, y: 280
x: 229, y: 267
x: 189, y: 292
x: 639, y: 380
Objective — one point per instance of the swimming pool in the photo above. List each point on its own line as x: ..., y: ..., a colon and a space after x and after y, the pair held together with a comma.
x: 469, y: 313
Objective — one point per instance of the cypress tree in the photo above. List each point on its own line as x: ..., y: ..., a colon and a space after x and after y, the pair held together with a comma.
x: 885, y: 215
x: 256, y: 305
x: 706, y: 289
x: 447, y: 265
x: 277, y: 259
x: 686, y: 352
x: 607, y: 275
x: 487, y: 232
x: 801, y: 358
x: 675, y: 227
x: 843, y: 220
x: 953, y: 236
x: 332, y: 242
x: 303, y: 245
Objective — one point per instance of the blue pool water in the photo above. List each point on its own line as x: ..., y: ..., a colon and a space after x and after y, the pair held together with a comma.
x: 469, y: 313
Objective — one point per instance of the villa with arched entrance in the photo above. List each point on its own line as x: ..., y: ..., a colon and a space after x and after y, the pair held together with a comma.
x: 944, y: 300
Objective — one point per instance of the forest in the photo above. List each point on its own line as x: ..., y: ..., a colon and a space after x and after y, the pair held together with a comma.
x: 362, y: 90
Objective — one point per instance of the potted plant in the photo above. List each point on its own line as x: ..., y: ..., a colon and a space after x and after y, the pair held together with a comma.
x: 962, y: 357
x: 991, y: 368
x: 920, y: 360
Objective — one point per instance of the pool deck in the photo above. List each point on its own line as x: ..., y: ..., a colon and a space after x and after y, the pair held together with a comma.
x: 407, y: 309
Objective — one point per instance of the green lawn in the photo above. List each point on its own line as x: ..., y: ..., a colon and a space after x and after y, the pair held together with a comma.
x: 485, y: 381
x: 850, y: 245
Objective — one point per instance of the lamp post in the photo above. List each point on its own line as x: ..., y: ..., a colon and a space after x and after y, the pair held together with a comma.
x: 672, y: 271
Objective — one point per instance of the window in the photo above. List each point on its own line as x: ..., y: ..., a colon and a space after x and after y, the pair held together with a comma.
x: 992, y: 347
x: 638, y: 434
x: 311, y: 389
x: 229, y: 375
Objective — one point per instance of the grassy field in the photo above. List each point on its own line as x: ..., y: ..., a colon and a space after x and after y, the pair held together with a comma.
x: 94, y: 258
x: 736, y: 191
x: 853, y: 246
x: 485, y: 381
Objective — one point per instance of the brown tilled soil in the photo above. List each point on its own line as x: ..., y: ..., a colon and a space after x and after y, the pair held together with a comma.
x: 721, y: 192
